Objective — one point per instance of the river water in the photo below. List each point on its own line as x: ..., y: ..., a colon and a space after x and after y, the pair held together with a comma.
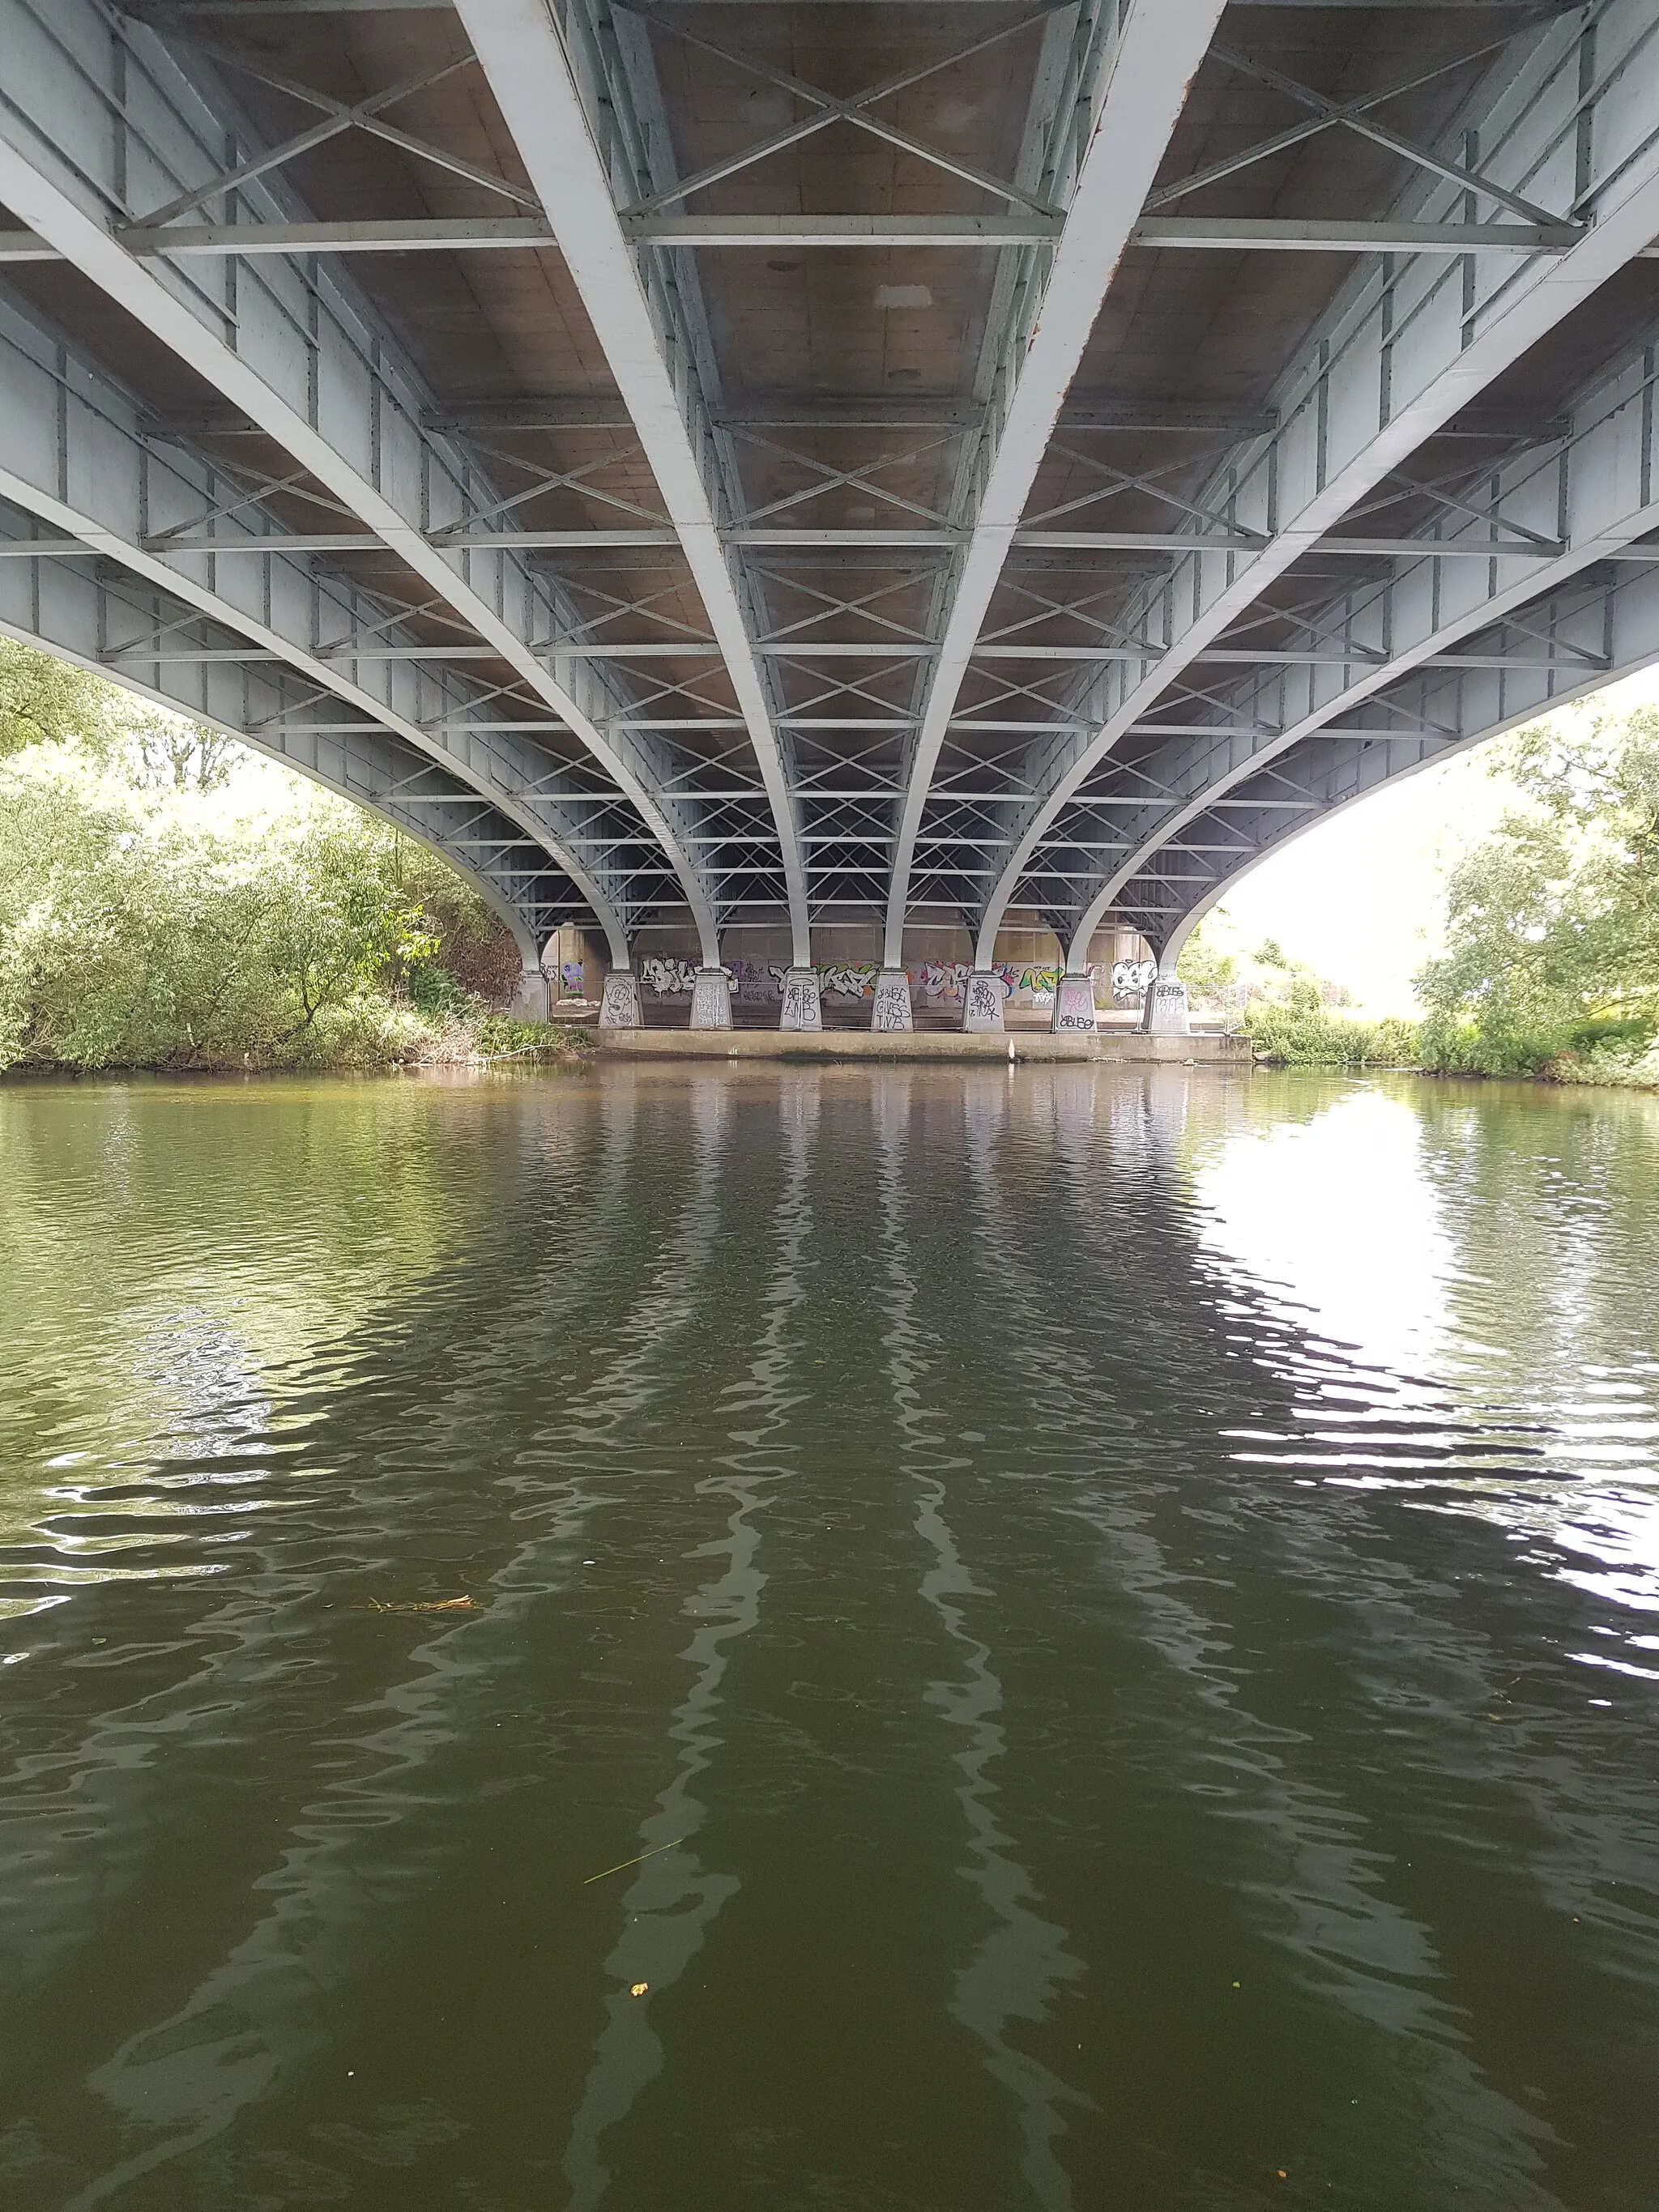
x: 1122, y: 1607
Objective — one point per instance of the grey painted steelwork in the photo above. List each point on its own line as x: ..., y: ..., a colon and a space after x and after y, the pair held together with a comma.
x: 733, y: 472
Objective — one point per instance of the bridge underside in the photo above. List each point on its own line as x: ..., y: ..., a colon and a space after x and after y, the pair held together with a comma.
x: 798, y: 479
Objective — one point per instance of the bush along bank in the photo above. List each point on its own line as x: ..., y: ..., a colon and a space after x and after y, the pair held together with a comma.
x: 183, y: 929
x: 1305, y: 1033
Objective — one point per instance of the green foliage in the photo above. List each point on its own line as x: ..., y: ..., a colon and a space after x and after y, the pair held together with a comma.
x: 140, y: 930
x: 1551, y: 956
x: 496, y: 1035
x: 1206, y: 970
x: 1304, y: 1033
x: 46, y: 701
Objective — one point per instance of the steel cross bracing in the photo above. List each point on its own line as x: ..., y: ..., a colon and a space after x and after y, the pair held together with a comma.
x: 1564, y: 119
x: 643, y: 632
x: 1607, y: 619
x: 101, y: 121
x: 1593, y: 490
x: 580, y: 97
x: 77, y: 609
x: 75, y: 453
x: 1094, y: 152
x: 1588, y: 499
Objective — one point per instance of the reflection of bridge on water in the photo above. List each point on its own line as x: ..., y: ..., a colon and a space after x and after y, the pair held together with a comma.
x: 806, y: 488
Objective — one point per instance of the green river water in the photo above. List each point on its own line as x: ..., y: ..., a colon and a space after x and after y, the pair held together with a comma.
x: 1114, y: 1614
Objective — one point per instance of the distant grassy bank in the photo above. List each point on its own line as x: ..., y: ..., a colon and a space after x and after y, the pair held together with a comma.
x: 1595, y: 1051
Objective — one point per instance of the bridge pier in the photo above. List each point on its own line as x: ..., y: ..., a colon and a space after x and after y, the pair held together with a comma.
x: 1074, y: 1003
x: 1166, y: 1012
x: 982, y: 1002
x: 803, y: 1000
x: 621, y: 1007
x: 890, y: 1009
x: 711, y: 999
x: 532, y: 997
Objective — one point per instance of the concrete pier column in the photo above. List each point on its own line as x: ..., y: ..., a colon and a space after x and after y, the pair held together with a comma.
x: 890, y: 1010
x: 621, y: 1007
x: 1074, y: 1003
x: 981, y: 1001
x: 1166, y: 1013
x: 803, y: 1000
x: 711, y: 999
x: 532, y: 997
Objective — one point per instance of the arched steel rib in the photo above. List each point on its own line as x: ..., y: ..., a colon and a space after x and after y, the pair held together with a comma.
x: 531, y: 74
x: 1596, y: 489
x: 1143, y: 79
x: 1382, y: 356
x: 101, y: 466
x: 47, y: 156
x: 69, y: 613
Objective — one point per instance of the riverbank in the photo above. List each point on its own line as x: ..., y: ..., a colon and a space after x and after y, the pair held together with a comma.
x: 415, y: 1045
x: 1120, y: 1048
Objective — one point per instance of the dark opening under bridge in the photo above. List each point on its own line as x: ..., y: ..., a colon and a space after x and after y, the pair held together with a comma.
x: 832, y: 479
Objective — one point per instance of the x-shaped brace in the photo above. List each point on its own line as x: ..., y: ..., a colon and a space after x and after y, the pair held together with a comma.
x: 338, y: 116
x: 829, y: 109
x: 1352, y: 115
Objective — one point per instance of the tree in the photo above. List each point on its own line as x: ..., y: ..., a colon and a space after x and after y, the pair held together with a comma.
x: 1553, y: 923
x: 47, y: 702
x: 1206, y: 970
x: 171, y: 754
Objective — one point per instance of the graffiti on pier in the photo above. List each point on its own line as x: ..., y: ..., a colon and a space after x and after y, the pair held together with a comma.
x: 572, y: 974
x: 1131, y: 981
x: 935, y: 983
x: 668, y: 979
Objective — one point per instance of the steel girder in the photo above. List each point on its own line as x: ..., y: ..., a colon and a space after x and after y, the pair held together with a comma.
x: 581, y: 102
x: 1587, y: 499
x: 1117, y: 737
x: 1565, y: 116
x: 103, y: 120
x: 1101, y: 149
x: 75, y: 453
x: 78, y: 608
x: 1607, y: 622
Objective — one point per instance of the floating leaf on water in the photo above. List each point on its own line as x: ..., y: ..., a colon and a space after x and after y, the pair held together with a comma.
x: 421, y: 1605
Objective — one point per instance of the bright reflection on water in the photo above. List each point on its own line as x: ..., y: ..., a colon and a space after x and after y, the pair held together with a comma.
x: 1092, y: 1637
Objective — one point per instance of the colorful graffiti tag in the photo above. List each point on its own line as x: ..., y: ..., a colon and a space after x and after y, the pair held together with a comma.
x: 935, y: 983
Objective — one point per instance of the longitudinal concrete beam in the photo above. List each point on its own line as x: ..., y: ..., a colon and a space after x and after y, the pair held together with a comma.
x: 57, y: 172
x: 1138, y: 95
x: 531, y: 76
x: 1401, y: 352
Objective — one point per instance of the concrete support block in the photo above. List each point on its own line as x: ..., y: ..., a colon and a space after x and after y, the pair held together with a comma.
x: 532, y: 999
x: 890, y: 1009
x: 711, y: 999
x: 1074, y: 1003
x: 622, y: 1007
x: 803, y: 1000
x: 982, y: 1000
x: 1166, y: 1013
